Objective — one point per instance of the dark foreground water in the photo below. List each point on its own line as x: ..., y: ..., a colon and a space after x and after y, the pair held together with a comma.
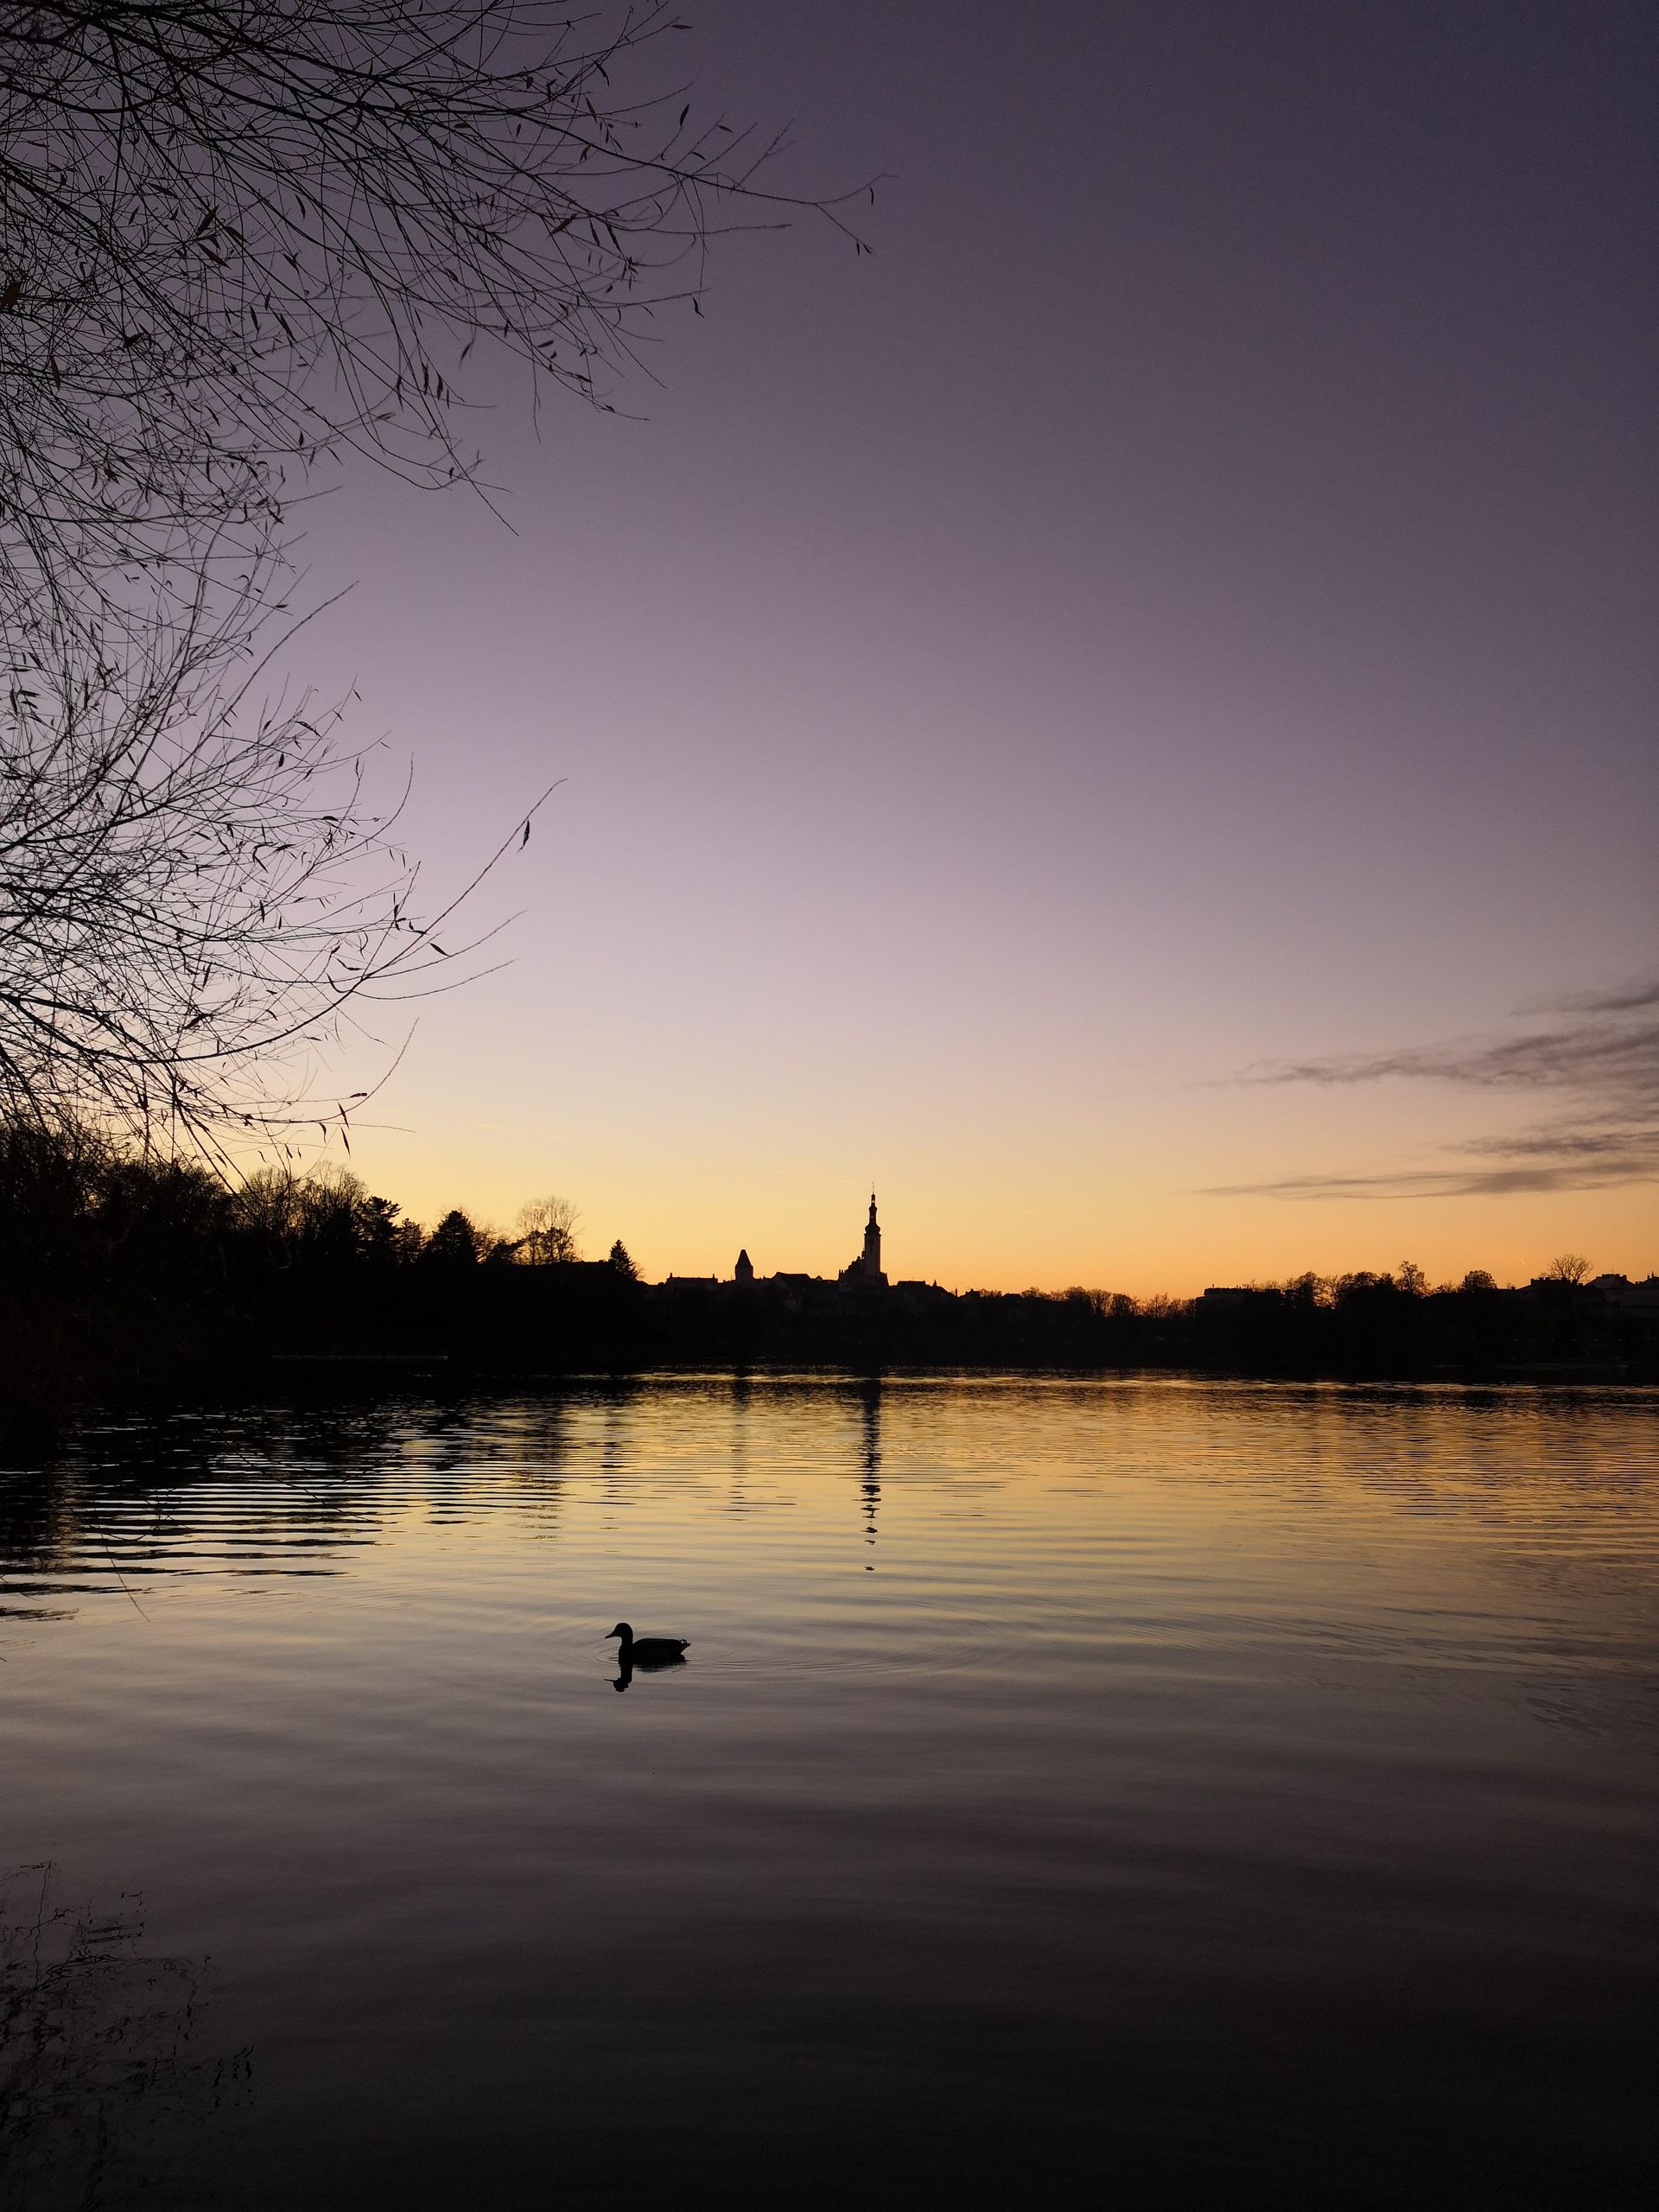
x: 1112, y: 1793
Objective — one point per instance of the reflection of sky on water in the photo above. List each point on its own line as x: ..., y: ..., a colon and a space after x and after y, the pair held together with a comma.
x: 1311, y: 1727
x: 300, y: 1493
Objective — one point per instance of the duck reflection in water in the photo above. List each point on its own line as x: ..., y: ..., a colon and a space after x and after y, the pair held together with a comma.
x: 651, y: 1655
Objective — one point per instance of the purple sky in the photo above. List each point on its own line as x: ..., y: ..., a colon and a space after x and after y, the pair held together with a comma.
x: 1185, y: 606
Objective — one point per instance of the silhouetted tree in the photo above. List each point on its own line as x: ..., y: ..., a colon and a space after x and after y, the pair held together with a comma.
x: 621, y: 1262
x: 195, y: 898
x: 1478, y: 1278
x: 454, y: 1243
x: 384, y: 1240
x: 247, y: 233
x: 237, y: 238
x: 1567, y: 1267
x: 547, y: 1231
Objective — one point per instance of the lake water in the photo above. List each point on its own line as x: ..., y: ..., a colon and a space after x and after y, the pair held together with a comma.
x: 1134, y: 1793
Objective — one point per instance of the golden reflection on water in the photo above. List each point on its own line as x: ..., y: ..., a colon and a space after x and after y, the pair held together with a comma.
x: 1033, y: 1735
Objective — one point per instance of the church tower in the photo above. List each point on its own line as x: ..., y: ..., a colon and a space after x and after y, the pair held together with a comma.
x: 865, y: 1272
x: 873, y: 1244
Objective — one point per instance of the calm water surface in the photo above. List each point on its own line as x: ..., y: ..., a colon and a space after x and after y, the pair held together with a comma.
x: 1137, y: 1793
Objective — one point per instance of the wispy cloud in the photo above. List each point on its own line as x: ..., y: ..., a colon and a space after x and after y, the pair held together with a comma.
x: 1604, y: 1058
x: 1625, y: 998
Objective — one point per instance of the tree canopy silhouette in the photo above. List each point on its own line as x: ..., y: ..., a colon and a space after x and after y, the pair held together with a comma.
x: 455, y: 1242
x: 242, y: 235
x: 1571, y: 1267
x: 238, y: 241
x: 195, y: 896
x: 547, y: 1231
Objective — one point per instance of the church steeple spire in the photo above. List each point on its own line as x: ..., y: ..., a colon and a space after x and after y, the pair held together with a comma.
x: 866, y: 1270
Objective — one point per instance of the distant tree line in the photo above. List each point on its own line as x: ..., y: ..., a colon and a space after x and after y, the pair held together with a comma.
x: 1362, y: 1324
x: 123, y: 1269
x: 77, y: 1205
x: 1398, y: 1324
x: 123, y: 1272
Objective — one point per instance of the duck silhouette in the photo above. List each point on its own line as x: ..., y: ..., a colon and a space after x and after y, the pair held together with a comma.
x: 647, y: 1651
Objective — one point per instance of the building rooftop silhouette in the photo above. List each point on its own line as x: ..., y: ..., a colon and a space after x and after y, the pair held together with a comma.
x: 863, y: 1276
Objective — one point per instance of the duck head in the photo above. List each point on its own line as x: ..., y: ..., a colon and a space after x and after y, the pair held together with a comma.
x: 621, y: 1629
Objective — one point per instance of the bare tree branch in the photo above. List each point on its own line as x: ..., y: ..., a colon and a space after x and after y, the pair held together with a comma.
x: 239, y: 240
x: 241, y: 237
x: 196, y: 898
